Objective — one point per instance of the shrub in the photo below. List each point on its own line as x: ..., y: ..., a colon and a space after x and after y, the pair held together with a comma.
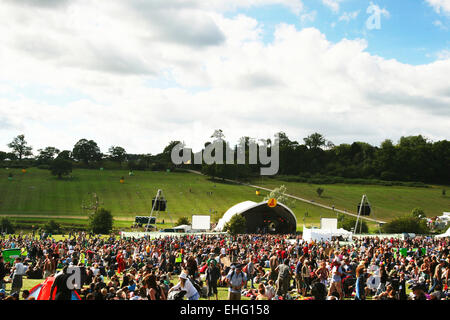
x: 183, y: 220
x: 236, y: 225
x: 101, y: 222
x: 407, y: 224
x: 52, y: 227
x: 348, y: 223
x: 6, y: 226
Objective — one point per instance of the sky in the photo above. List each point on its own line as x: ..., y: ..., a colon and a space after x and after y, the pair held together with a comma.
x: 141, y: 73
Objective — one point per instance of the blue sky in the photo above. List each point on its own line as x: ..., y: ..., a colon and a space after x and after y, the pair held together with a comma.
x: 408, y: 35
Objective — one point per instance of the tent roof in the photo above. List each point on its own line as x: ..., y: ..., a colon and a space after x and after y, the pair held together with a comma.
x: 242, y: 207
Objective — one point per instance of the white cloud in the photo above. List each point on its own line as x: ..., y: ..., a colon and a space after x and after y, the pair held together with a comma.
x: 334, y: 5
x: 440, y: 25
x: 440, y: 6
x: 347, y: 16
x: 111, y: 73
x: 308, y: 17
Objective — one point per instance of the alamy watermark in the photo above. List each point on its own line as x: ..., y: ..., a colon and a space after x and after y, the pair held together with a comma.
x: 374, y: 20
x: 266, y: 153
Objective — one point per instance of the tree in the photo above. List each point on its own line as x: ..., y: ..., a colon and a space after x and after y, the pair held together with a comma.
x: 65, y: 154
x: 319, y: 191
x: 6, y: 226
x: 280, y: 195
x: 348, y: 223
x: 86, y: 151
x: 61, y: 167
x: 182, y: 221
x: 418, y: 213
x: 3, y: 155
x: 314, y: 141
x: 47, y: 155
x: 117, y: 154
x: 236, y: 225
x: 408, y: 224
x: 19, y: 147
x: 101, y: 222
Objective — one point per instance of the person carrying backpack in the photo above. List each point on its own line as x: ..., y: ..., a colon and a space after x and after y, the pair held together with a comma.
x: 236, y: 280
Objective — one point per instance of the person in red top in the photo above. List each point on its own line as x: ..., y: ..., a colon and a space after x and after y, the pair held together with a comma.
x: 121, y: 262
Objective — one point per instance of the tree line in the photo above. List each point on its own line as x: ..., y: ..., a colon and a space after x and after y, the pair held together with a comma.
x: 412, y: 158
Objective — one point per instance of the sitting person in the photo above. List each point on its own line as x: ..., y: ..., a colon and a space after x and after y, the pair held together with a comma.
x: 262, y: 293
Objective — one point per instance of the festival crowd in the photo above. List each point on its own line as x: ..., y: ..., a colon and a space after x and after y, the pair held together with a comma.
x: 260, y: 267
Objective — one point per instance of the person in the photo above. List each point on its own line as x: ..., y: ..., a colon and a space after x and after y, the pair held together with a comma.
x: 437, y: 279
x: 25, y: 294
x: 361, y: 278
x: 3, y: 273
x: 261, y: 293
x: 322, y: 273
x: 19, y: 271
x: 306, y: 277
x: 284, y: 277
x: 336, y: 279
x: 236, y: 280
x: 154, y: 290
x: 270, y: 290
x: 251, y: 272
x: 418, y: 292
x: 212, y: 275
x: 60, y: 284
x: 186, y: 285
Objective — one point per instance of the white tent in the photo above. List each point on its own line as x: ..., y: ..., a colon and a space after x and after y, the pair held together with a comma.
x: 444, y: 235
x: 324, y: 235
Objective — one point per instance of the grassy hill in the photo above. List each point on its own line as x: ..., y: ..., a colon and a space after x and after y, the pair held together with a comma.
x: 35, y: 195
x: 387, y: 202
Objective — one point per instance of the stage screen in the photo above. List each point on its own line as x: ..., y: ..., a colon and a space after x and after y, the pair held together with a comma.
x: 201, y: 222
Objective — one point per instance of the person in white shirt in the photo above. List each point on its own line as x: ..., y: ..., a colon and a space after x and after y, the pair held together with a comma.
x: 186, y: 285
x: 19, y: 271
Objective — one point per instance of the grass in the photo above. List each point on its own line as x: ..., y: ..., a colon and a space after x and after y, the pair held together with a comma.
x: 36, y: 195
x: 387, y: 202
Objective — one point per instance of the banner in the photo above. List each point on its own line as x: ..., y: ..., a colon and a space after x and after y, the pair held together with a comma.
x: 10, y: 255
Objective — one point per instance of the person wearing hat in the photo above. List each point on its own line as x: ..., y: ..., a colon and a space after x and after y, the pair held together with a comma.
x: 186, y: 285
x: 212, y: 274
x: 236, y: 280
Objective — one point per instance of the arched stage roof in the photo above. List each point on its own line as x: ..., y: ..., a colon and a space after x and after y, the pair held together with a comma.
x: 261, y: 218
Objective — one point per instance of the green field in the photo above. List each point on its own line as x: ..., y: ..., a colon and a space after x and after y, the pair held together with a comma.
x: 32, y: 196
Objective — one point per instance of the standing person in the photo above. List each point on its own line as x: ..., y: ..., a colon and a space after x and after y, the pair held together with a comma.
x: 298, y: 276
x: 2, y: 273
x: 47, y: 267
x: 18, y: 272
x: 322, y: 273
x: 236, y: 280
x: 273, y: 263
x: 284, y: 278
x: 251, y: 271
x: 186, y: 285
x: 212, y: 276
x: 306, y: 277
x: 361, y: 279
x: 437, y: 279
x: 60, y: 284
x: 336, y: 279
